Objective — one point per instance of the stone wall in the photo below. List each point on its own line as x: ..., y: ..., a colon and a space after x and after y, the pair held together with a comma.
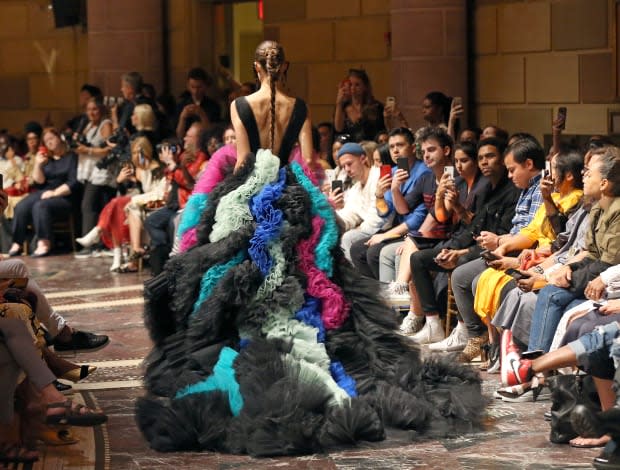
x: 324, y: 38
x: 41, y: 67
x: 535, y: 56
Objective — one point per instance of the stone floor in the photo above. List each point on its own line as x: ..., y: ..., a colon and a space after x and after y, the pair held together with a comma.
x: 514, y: 435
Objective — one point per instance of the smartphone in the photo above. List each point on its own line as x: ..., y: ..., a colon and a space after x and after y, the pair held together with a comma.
x: 337, y: 184
x: 489, y: 256
x: 403, y: 163
x: 390, y: 102
x: 518, y: 275
x: 457, y: 101
x: 597, y: 304
x: 1, y: 181
x: 562, y: 115
x: 111, y: 101
x: 386, y: 170
x: 141, y: 158
x: 548, y: 169
x: 449, y: 170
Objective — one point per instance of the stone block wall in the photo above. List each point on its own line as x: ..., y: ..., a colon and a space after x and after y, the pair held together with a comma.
x: 532, y: 57
x: 41, y: 67
x: 324, y: 38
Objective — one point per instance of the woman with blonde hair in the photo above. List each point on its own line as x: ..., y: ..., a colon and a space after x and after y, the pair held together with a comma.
x: 141, y: 178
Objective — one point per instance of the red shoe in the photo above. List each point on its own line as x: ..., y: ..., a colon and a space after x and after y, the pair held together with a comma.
x: 508, y: 351
x: 518, y: 371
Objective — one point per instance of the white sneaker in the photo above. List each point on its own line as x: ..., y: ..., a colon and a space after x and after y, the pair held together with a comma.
x: 431, y: 333
x: 412, y: 323
x: 90, y: 238
x: 397, y: 293
x: 455, y: 342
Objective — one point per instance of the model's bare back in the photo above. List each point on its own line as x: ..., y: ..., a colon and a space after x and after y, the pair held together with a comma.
x: 261, y: 107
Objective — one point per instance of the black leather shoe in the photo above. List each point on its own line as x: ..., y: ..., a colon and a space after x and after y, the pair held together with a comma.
x: 82, y: 341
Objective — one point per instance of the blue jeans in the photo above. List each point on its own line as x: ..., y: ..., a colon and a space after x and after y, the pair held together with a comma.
x: 551, y: 304
x: 593, y: 350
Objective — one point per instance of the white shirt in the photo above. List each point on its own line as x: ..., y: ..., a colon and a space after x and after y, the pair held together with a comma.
x: 359, y: 209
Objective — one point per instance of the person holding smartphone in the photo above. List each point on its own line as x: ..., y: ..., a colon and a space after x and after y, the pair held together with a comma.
x: 357, y: 211
x: 365, y: 253
x: 195, y: 105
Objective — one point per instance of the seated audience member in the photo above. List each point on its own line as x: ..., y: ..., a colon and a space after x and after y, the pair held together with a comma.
x: 229, y: 137
x: 471, y: 134
x: 181, y: 172
x: 524, y: 160
x: 562, y: 193
x: 597, y: 353
x: 63, y: 337
x: 194, y: 104
x: 382, y: 137
x: 453, y: 202
x: 357, y: 113
x: 437, y: 148
x: 492, y: 210
x: 98, y: 177
x: 41, y: 403
x: 603, y: 251
x: 140, y: 181
x: 494, y: 131
x: 144, y: 122
x: 326, y: 139
x: 365, y: 252
x: 55, y: 177
x: 381, y: 156
x: 358, y: 212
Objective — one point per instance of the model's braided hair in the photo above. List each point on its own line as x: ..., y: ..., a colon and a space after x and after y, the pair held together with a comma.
x: 270, y: 55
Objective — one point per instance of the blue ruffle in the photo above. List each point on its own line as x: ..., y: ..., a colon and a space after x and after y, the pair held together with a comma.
x: 222, y: 379
x: 310, y: 314
x: 269, y: 221
x: 190, y: 217
x: 320, y: 206
x: 213, y: 276
x: 346, y: 382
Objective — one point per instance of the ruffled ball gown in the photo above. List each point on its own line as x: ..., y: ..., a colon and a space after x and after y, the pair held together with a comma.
x: 267, y: 342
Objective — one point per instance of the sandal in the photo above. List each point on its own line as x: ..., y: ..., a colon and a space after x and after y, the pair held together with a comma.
x: 51, y: 435
x: 74, y: 415
x: 129, y: 267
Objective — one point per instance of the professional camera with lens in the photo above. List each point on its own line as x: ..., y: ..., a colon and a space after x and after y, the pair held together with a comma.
x: 74, y: 140
x: 120, y: 153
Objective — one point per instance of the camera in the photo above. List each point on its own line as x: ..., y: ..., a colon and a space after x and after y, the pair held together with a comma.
x: 160, y: 147
x: 74, y: 140
x: 121, y: 153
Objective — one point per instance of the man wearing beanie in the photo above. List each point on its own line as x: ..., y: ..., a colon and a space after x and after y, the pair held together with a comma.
x: 357, y: 213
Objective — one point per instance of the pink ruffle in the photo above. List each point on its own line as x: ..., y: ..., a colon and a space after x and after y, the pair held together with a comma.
x: 335, y: 309
x: 215, y: 170
x: 188, y: 239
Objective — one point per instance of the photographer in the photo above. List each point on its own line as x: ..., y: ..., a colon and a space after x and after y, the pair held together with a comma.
x: 181, y: 171
x: 100, y: 185
x: 55, y: 173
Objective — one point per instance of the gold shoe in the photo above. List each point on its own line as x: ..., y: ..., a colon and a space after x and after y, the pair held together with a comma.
x: 79, y: 373
x: 473, y: 347
x: 53, y: 435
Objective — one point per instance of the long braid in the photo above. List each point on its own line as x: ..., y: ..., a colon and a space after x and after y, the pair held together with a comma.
x: 271, y: 56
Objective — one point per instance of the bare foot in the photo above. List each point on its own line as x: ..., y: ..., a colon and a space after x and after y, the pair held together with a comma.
x: 590, y: 442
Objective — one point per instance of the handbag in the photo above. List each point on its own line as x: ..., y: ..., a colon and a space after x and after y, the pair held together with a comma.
x: 568, y: 391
